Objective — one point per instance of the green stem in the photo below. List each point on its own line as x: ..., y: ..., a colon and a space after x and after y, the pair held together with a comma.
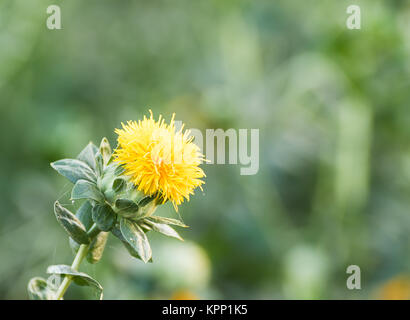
x: 81, y: 253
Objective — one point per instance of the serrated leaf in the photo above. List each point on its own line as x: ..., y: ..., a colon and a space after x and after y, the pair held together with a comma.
x: 71, y: 224
x: 80, y: 278
x: 104, y: 217
x: 87, y: 155
x: 97, y: 246
x: 86, y: 190
x: 38, y: 290
x: 137, y: 238
x: 74, y: 170
x: 165, y: 220
x: 163, y: 228
x: 105, y: 150
x: 126, y: 208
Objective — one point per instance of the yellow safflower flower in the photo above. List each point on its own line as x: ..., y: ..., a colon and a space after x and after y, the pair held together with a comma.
x: 160, y: 160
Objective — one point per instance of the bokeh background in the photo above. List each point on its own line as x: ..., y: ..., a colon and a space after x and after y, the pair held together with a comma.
x: 331, y: 104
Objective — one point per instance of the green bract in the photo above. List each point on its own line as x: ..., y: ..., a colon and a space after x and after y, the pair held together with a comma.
x: 111, y: 204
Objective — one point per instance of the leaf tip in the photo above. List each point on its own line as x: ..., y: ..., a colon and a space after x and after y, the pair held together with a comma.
x: 147, y: 259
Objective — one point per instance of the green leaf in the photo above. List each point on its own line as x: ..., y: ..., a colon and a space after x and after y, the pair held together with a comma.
x: 105, y: 150
x: 126, y: 208
x: 106, y: 183
x: 118, y: 184
x: 104, y: 217
x: 136, y: 238
x: 87, y: 155
x: 74, y: 170
x: 97, y: 246
x: 163, y: 228
x: 145, y: 201
x: 80, y: 278
x: 119, y: 170
x: 84, y: 213
x: 117, y: 232
x: 71, y: 224
x: 165, y: 220
x: 38, y: 290
x: 86, y: 190
x: 144, y: 226
x: 147, y: 206
x: 99, y: 164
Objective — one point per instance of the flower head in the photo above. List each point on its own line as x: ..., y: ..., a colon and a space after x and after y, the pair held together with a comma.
x: 160, y: 160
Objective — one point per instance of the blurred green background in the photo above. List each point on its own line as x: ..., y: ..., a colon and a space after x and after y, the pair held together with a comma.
x: 331, y: 104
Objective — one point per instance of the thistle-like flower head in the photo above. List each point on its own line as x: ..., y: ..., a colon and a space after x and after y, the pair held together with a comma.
x: 160, y: 160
